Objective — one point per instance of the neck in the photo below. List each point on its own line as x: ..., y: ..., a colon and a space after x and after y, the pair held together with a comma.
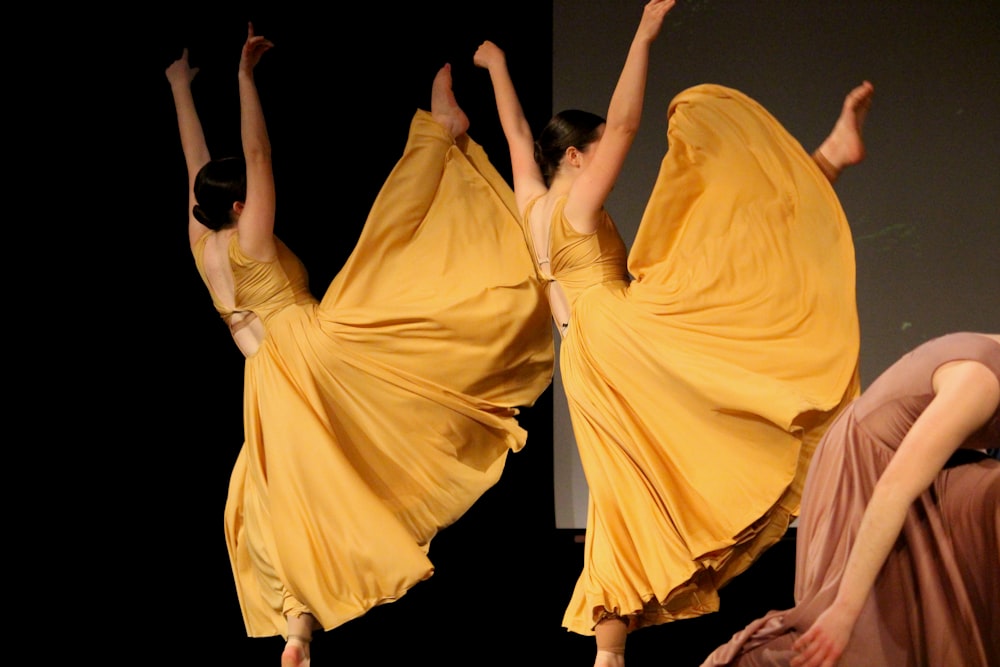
x: 561, y: 184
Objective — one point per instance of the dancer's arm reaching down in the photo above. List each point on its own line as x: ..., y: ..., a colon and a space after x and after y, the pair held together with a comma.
x: 966, y: 395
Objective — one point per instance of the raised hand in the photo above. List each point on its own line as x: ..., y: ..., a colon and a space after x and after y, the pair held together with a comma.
x: 488, y: 54
x: 180, y: 71
x: 652, y: 18
x: 253, y: 49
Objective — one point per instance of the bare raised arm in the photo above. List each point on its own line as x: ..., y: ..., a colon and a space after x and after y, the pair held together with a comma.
x: 256, y: 221
x: 528, y: 180
x: 180, y: 74
x: 966, y: 395
x: 591, y: 188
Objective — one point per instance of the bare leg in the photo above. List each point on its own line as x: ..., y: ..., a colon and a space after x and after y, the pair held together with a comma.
x: 844, y: 146
x: 611, y: 633
x: 300, y: 629
x: 444, y: 107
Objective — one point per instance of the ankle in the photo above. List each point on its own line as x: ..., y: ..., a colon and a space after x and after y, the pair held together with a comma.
x: 829, y: 170
x: 301, y: 626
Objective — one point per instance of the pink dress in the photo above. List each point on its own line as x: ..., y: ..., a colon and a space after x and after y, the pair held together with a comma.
x: 936, y: 602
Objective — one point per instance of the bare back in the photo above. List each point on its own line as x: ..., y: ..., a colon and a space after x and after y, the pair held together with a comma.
x: 246, y: 327
x: 538, y: 216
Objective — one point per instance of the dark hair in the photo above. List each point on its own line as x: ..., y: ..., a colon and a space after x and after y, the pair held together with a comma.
x: 571, y: 127
x: 218, y: 185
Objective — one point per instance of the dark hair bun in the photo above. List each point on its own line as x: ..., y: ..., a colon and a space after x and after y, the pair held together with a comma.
x: 201, y: 216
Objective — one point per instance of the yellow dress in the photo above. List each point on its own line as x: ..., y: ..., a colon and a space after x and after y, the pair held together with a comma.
x: 377, y: 416
x: 699, y: 388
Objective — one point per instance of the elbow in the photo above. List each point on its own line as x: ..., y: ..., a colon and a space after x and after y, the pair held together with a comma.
x: 625, y: 122
x: 626, y: 129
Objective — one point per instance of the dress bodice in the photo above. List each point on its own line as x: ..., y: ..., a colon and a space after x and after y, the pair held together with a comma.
x: 265, y: 288
x: 578, y: 261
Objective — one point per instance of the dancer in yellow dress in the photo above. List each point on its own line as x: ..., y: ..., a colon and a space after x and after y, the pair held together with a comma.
x: 702, y: 367
x: 378, y: 415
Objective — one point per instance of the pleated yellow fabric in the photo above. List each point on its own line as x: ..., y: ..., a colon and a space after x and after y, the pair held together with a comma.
x: 377, y: 416
x: 699, y: 390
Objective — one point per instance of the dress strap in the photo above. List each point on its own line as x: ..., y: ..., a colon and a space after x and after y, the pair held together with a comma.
x: 248, y: 318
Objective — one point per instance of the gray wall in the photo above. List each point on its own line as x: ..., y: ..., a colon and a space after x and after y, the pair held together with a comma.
x: 924, y: 205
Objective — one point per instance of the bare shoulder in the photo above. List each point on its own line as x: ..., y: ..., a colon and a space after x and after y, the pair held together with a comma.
x: 970, y: 389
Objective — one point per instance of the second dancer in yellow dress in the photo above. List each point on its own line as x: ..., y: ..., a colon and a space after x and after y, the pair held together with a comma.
x: 702, y: 367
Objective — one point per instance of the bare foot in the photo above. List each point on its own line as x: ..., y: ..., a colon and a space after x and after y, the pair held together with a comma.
x: 844, y: 147
x: 444, y: 107
x: 296, y: 653
x: 299, y: 636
